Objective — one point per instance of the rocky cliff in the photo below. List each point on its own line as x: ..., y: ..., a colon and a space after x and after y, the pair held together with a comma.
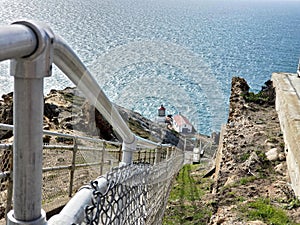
x: 67, y: 111
x: 250, y: 164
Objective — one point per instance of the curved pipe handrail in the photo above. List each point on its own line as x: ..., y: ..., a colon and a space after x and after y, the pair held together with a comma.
x: 68, y: 62
x: 23, y: 42
x: 16, y: 41
x: 33, y: 47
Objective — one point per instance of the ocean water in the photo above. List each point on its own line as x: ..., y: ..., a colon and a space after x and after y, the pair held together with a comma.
x: 180, y: 53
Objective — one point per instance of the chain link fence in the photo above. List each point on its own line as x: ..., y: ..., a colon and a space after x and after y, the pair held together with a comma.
x: 5, y: 178
x: 69, y: 162
x: 133, y: 194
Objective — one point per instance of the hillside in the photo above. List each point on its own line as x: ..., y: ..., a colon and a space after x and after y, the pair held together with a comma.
x: 67, y: 111
x: 250, y: 184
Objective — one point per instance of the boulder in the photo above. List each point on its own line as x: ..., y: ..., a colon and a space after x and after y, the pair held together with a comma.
x: 272, y: 154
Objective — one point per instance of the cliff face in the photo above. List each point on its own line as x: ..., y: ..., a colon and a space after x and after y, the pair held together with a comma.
x: 252, y: 161
x: 6, y: 114
x: 67, y: 111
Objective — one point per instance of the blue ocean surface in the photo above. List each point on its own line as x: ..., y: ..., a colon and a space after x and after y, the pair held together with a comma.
x: 180, y: 53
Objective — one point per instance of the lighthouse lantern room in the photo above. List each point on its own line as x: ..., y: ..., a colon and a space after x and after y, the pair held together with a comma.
x: 161, y: 114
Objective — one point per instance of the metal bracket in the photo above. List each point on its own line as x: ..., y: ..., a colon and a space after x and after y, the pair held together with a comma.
x: 39, y: 63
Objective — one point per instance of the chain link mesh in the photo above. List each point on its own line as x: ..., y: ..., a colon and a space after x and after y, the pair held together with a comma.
x: 136, y: 193
x: 5, y: 180
x: 70, y: 166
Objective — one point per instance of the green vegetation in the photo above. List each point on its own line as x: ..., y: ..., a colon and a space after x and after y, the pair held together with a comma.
x: 261, y: 155
x: 256, y: 98
x: 240, y: 198
x: 241, y: 181
x: 189, y: 201
x: 186, y: 202
x: 273, y: 140
x: 282, y: 145
x: 262, y: 209
x: 294, y: 203
x: 245, y: 156
x: 245, y: 180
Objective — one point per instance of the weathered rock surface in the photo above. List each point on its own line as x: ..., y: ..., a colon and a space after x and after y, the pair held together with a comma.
x: 6, y: 113
x: 68, y: 111
x: 252, y: 163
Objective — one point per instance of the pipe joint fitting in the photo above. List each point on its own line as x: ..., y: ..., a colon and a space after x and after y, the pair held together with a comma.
x: 39, y: 63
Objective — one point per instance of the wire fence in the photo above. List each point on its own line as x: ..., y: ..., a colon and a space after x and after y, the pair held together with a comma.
x: 133, y: 194
x: 136, y: 194
x: 5, y: 178
x: 67, y: 167
x: 70, y: 161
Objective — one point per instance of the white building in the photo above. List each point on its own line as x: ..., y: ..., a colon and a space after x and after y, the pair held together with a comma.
x: 182, y: 125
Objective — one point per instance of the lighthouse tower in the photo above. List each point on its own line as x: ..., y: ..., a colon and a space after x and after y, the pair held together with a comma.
x: 161, y: 116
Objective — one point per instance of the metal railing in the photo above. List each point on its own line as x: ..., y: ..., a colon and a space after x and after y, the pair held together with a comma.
x: 32, y: 48
x: 131, y: 194
x: 69, y: 161
x: 85, y: 156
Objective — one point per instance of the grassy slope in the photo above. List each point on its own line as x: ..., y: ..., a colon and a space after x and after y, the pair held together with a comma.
x: 186, y: 202
x: 190, y: 202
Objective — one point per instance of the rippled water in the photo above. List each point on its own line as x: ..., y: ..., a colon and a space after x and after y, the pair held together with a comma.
x: 181, y: 53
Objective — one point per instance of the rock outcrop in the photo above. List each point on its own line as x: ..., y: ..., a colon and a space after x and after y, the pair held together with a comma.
x: 6, y: 114
x: 252, y: 161
x: 67, y: 111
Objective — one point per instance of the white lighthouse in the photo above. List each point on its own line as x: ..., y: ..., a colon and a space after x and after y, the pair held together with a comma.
x: 161, y: 114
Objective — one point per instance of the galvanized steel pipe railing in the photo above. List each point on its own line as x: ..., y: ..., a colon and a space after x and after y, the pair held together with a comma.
x: 74, y: 211
x: 32, y: 48
x: 29, y: 45
x: 57, y: 134
x: 68, y: 62
x: 16, y: 41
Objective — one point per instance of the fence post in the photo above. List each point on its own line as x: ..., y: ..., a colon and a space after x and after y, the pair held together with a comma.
x: 128, y: 149
x: 168, y: 153
x: 153, y: 156
x: 120, y: 153
x: 102, y: 158
x: 75, y: 149
x: 158, y: 151
x: 29, y: 73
